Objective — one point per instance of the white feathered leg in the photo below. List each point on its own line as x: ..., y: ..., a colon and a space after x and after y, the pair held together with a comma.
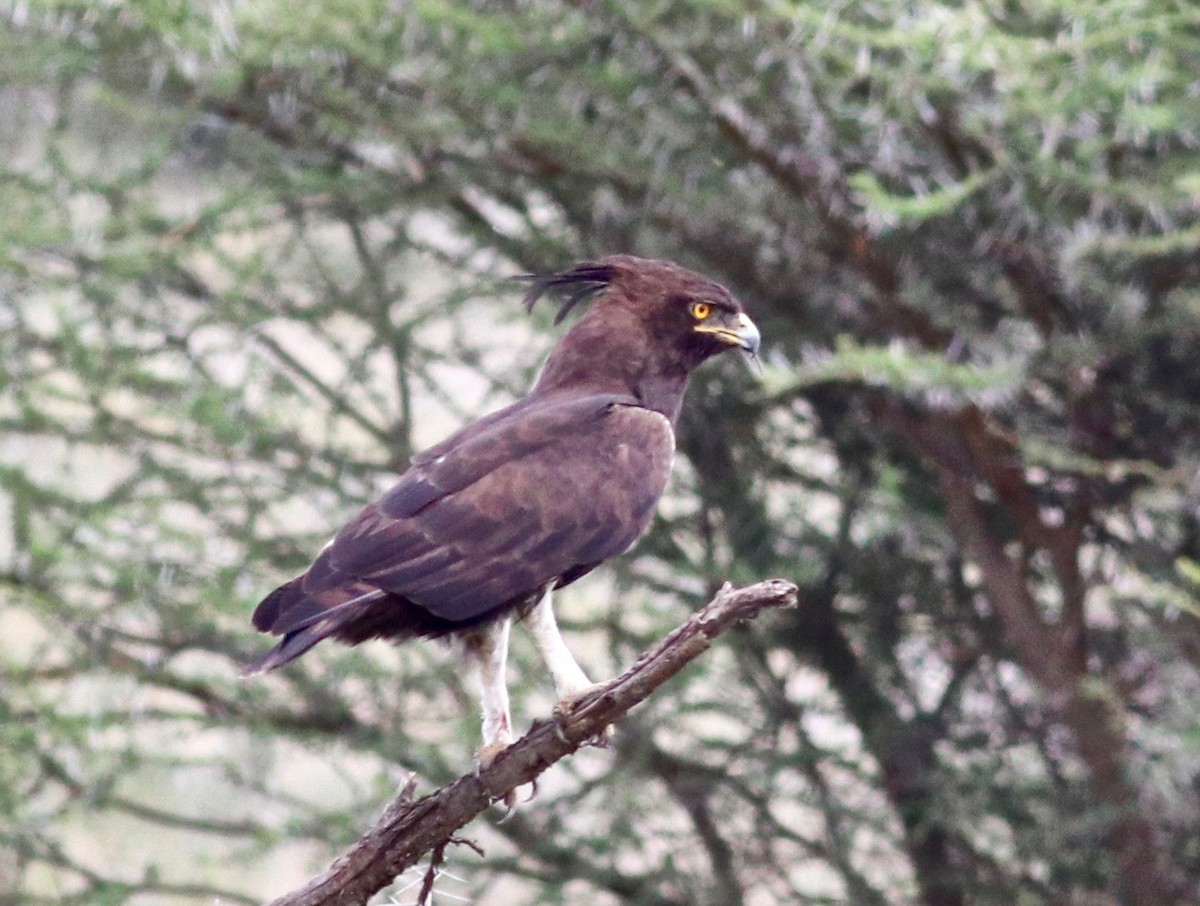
x: 570, y: 682
x: 488, y: 649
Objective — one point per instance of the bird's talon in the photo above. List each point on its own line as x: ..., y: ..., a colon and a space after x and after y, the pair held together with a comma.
x: 509, y: 801
x: 601, y: 740
x: 574, y: 698
x: 568, y: 704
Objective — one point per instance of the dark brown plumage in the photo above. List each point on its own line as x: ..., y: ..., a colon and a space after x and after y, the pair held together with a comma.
x: 530, y: 497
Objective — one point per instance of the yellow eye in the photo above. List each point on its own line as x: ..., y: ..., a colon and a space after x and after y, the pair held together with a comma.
x: 700, y: 310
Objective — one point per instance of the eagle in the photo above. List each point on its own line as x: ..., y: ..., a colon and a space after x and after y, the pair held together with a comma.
x: 483, y: 526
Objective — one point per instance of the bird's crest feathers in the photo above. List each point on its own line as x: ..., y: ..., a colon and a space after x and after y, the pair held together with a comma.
x: 577, y: 285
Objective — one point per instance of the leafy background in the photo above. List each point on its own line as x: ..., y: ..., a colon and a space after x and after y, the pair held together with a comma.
x: 253, y: 257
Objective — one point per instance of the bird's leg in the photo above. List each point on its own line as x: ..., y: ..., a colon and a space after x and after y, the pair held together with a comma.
x: 570, y: 682
x: 487, y: 647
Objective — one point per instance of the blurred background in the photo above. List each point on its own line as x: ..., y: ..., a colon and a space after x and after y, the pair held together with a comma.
x: 254, y: 255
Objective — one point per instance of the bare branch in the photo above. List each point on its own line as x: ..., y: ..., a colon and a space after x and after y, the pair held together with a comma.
x: 407, y: 830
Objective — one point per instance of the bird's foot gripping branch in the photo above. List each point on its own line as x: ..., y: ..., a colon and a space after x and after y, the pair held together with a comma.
x: 408, y: 828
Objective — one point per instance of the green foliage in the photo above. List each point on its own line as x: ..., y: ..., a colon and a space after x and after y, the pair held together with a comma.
x: 905, y: 372
x: 893, y: 209
x: 251, y: 261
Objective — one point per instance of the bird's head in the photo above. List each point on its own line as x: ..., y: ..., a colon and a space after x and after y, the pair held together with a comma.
x: 653, y: 312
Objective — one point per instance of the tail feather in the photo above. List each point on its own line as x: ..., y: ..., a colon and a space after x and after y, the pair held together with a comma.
x: 351, y: 613
x: 290, y: 647
x: 304, y: 619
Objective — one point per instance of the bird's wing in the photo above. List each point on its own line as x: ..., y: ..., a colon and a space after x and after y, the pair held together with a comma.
x: 494, y: 515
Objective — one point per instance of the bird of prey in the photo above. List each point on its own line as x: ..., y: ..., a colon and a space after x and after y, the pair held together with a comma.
x: 483, y: 526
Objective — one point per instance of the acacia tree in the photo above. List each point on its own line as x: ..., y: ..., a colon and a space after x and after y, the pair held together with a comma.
x: 251, y: 264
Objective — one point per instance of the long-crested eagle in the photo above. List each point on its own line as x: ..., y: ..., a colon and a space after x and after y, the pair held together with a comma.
x: 487, y: 523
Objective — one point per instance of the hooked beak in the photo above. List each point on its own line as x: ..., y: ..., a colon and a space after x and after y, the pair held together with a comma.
x: 745, y: 335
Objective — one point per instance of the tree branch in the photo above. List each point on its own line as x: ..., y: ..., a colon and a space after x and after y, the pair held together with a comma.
x: 408, y: 829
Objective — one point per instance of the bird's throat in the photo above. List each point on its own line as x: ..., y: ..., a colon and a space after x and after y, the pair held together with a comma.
x: 663, y: 392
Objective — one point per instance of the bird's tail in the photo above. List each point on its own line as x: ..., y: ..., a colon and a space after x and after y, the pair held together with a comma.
x: 304, y: 620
